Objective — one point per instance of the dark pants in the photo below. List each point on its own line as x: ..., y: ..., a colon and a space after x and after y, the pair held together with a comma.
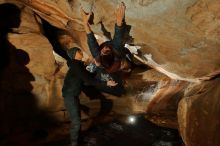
x: 117, y: 90
x: 72, y: 106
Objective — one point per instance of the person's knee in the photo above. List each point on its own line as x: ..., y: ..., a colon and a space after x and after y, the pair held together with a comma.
x: 77, y: 125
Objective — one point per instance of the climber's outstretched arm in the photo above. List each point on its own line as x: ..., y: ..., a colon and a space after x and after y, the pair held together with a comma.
x: 119, y: 29
x: 91, y: 40
x: 85, y: 18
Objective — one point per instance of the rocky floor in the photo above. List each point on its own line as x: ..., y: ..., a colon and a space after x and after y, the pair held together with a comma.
x: 130, y: 131
x: 108, y: 130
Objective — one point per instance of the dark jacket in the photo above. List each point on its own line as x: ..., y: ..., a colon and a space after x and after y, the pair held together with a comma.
x: 76, y: 77
x: 117, y: 47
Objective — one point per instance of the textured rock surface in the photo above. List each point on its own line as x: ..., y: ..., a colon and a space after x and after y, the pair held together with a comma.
x: 178, y: 38
x: 198, y: 114
x: 42, y: 61
x: 27, y: 75
x: 182, y: 36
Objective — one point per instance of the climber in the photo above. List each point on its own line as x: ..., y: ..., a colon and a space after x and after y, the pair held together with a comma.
x: 66, y: 41
x: 111, y: 57
x: 76, y: 77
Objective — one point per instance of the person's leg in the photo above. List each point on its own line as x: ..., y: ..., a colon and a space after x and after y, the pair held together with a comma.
x: 94, y: 93
x: 72, y: 107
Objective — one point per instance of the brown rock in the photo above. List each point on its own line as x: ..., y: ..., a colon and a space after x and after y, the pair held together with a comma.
x: 42, y: 66
x: 178, y: 38
x: 30, y: 22
x: 40, y: 51
x: 178, y: 34
x: 198, y: 114
x: 158, y: 98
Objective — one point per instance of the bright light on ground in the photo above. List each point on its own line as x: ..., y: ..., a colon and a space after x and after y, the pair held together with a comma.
x: 131, y: 119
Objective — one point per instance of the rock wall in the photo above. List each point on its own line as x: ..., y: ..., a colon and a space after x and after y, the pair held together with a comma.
x: 181, y: 36
x: 198, y: 114
x: 178, y: 38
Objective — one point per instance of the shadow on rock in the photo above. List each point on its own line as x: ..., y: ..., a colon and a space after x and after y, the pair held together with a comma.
x: 21, y: 117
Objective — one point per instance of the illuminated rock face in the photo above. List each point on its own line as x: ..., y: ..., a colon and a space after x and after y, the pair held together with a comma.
x: 178, y: 38
x: 181, y: 36
x: 198, y: 114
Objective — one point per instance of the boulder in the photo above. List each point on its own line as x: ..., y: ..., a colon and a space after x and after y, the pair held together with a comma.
x: 198, y: 114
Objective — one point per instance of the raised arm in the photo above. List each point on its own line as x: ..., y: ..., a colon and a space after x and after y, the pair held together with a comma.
x: 120, y: 14
x: 85, y: 18
x: 119, y: 29
x: 91, y: 40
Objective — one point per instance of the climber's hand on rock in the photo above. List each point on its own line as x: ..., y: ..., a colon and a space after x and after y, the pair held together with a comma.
x: 120, y: 14
x: 85, y: 16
